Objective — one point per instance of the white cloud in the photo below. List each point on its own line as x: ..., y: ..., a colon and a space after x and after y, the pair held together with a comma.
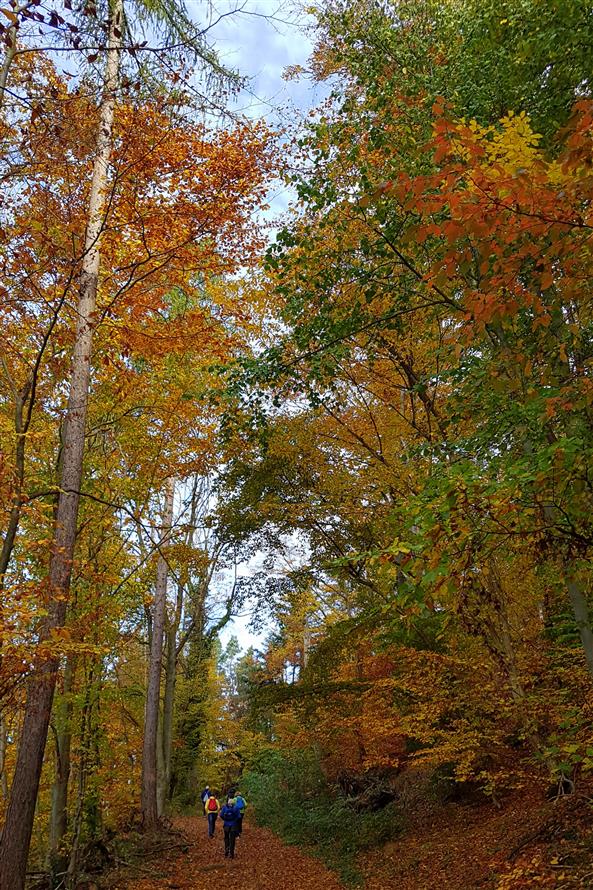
x: 260, y: 38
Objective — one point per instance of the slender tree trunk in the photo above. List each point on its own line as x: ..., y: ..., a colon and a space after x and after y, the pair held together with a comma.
x: 17, y: 497
x: 59, y: 792
x: 8, y: 59
x: 172, y: 650
x: 150, y: 816
x: 161, y: 788
x: 3, y: 742
x: 86, y: 729
x: 92, y: 808
x: 18, y: 826
x: 580, y: 607
x: 168, y: 703
x: 306, y: 646
x: 171, y: 677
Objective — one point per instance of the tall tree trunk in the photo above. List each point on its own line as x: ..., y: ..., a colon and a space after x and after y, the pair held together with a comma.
x: 580, y: 608
x: 3, y: 743
x: 161, y: 788
x: 59, y: 792
x: 150, y: 816
x: 17, y: 496
x: 9, y: 54
x: 85, y: 733
x: 18, y: 826
x: 168, y: 703
x: 173, y: 649
x: 306, y: 646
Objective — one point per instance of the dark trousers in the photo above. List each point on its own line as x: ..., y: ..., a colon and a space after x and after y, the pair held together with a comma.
x: 230, y: 836
x: 212, y: 817
x: 240, y: 825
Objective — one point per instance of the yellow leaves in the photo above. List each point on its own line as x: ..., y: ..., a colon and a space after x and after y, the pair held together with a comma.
x: 510, y: 147
x: 514, y: 146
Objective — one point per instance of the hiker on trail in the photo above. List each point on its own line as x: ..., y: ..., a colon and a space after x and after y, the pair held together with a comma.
x: 240, y: 803
x: 204, y: 797
x: 230, y: 818
x: 212, y: 807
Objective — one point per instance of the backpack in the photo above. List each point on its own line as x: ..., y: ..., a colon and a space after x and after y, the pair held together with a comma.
x: 211, y: 806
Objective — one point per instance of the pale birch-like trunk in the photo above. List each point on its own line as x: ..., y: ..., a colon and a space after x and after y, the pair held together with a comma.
x: 8, y: 59
x: 149, y: 801
x: 18, y: 826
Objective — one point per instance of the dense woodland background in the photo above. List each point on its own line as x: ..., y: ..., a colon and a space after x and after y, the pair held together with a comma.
x: 389, y: 406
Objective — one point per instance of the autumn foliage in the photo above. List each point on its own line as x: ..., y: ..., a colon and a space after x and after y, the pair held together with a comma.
x: 374, y: 434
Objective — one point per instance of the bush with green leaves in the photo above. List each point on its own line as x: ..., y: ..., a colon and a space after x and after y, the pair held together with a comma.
x: 290, y: 795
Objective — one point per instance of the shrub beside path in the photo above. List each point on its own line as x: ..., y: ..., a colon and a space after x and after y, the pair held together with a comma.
x: 261, y: 860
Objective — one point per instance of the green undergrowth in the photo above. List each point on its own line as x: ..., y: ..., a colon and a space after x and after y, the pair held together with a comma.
x: 292, y: 797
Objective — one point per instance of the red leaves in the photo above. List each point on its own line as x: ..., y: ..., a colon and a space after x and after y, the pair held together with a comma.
x: 546, y: 280
x: 504, y: 216
x: 453, y: 230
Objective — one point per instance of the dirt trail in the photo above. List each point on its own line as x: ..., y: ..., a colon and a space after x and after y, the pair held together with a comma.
x: 261, y: 862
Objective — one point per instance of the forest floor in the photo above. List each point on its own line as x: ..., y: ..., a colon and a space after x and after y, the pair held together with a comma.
x: 262, y: 861
x: 526, y: 842
x: 529, y: 842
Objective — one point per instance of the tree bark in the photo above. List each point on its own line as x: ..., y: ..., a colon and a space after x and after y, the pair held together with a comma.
x: 59, y: 792
x: 9, y: 55
x: 17, y: 497
x: 161, y: 789
x: 18, y: 826
x: 149, y: 801
x: 85, y: 733
x: 168, y: 703
x: 3, y: 743
x: 580, y: 608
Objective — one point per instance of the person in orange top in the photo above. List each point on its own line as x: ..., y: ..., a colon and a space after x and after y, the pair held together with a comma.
x: 211, y: 808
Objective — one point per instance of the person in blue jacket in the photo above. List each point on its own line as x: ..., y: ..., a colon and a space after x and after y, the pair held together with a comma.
x: 240, y: 803
x: 230, y: 816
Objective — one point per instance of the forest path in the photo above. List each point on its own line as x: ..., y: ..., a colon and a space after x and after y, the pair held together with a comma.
x: 262, y: 861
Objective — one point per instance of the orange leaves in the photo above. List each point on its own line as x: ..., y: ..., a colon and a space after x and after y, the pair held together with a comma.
x: 452, y: 230
x: 546, y: 280
x: 506, y: 218
x: 262, y: 860
x: 183, y: 202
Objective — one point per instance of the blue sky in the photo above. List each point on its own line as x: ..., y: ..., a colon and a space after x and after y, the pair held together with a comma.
x: 260, y: 39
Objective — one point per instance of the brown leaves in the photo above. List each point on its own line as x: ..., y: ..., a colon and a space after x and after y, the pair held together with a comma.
x: 261, y: 861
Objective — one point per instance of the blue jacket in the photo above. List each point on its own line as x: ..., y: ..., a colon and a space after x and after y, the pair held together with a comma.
x: 240, y: 803
x: 230, y: 815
